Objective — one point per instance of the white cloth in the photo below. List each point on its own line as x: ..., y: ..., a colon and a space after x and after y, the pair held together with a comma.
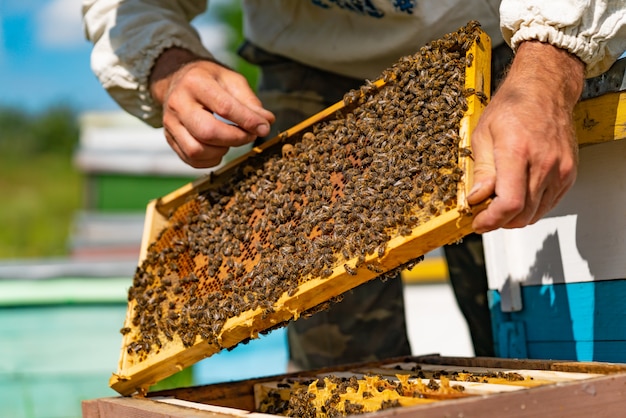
x: 357, y: 38
x: 595, y: 31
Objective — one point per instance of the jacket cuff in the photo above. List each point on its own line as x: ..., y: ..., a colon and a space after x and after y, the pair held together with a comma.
x: 129, y: 86
x: 588, y: 51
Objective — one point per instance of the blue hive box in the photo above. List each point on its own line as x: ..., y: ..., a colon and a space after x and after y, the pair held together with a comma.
x: 557, y: 288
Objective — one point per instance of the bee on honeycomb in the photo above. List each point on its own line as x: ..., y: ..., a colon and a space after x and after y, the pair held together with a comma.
x: 327, y: 203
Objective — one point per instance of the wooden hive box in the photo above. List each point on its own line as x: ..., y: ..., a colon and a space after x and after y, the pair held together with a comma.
x: 362, y: 189
x: 557, y: 286
x: 500, y: 387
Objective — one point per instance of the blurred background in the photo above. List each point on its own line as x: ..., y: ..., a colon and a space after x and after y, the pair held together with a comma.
x: 76, y: 174
x: 47, y: 88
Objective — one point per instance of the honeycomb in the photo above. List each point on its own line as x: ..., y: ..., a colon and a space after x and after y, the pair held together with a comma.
x: 335, y: 396
x: 323, y: 204
x: 353, y: 393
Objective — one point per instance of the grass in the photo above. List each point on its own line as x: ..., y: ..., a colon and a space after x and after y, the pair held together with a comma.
x: 40, y: 195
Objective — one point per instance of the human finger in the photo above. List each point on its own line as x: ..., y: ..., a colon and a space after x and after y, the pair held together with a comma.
x: 229, y: 96
x: 193, y: 152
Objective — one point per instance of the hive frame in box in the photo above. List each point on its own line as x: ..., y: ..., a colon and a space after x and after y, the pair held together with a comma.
x: 598, y: 395
x: 446, y: 228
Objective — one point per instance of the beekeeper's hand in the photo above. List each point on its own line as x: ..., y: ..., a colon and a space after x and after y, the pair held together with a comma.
x: 192, y: 91
x: 524, y: 146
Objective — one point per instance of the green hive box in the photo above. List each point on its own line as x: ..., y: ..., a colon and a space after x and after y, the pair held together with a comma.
x: 127, y: 163
x: 58, y: 343
x: 59, y: 337
x: 125, y: 193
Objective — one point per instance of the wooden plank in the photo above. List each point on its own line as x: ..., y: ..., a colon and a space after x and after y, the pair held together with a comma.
x: 600, y: 397
x: 601, y: 119
x: 219, y: 410
x: 90, y: 408
x: 539, y: 377
x: 590, y: 367
x: 477, y: 78
x: 144, y: 408
x: 154, y: 222
x: 488, y: 362
x: 602, y: 351
x: 531, y: 364
x: 238, y: 394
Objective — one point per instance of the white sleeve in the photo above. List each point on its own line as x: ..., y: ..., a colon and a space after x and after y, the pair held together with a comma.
x: 593, y: 30
x: 128, y: 36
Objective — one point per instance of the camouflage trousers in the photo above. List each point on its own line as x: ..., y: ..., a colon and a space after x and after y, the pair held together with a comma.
x: 369, y: 323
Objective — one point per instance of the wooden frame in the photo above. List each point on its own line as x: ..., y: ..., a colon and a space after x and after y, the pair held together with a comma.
x: 137, y: 376
x: 599, y: 395
x: 596, y: 120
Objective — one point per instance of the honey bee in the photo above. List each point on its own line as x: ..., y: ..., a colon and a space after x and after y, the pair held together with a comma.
x: 375, y: 268
x: 326, y: 272
x: 339, y: 192
x: 465, y: 152
x: 349, y: 270
x: 482, y: 97
x: 468, y: 92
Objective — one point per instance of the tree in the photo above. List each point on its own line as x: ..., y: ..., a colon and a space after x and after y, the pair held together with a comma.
x: 55, y: 130
x: 230, y: 14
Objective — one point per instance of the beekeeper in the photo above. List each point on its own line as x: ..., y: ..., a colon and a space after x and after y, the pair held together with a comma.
x: 150, y: 59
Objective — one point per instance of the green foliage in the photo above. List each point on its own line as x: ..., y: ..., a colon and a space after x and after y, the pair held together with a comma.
x: 230, y: 13
x: 23, y: 134
x: 40, y: 188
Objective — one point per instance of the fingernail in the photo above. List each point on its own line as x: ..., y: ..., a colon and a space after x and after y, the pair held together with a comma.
x: 262, y: 129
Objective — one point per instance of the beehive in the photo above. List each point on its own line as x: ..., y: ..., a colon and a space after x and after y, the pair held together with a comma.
x: 491, y: 387
x: 358, y: 191
x: 361, y: 390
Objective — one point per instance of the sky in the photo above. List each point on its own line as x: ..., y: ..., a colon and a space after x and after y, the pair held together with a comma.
x: 44, y: 56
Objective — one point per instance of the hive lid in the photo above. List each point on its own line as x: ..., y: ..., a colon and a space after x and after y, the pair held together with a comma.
x: 282, y: 247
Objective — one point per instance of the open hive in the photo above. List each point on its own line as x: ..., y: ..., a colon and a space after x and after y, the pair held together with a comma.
x: 437, y: 386
x: 395, y: 385
x: 360, y: 190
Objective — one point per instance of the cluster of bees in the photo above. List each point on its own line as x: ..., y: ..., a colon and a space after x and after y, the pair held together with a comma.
x: 334, y: 396
x: 300, y: 401
x: 385, y: 164
x: 337, y: 396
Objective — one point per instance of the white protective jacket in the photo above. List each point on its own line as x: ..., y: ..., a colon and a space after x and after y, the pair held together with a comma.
x: 357, y: 38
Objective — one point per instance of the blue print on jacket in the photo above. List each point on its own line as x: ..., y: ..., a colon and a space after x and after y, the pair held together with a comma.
x: 366, y: 7
x: 405, y: 5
